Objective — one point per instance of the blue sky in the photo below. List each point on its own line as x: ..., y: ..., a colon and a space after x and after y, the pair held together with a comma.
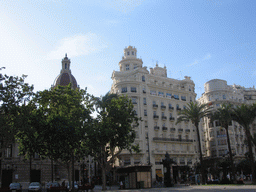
x: 204, y: 39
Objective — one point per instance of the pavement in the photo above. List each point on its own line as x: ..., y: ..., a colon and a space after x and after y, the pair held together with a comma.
x: 182, y: 187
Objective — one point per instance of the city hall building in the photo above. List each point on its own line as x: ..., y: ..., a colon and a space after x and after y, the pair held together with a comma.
x: 157, y: 99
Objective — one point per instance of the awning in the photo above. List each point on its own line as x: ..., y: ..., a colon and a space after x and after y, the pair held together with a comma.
x: 160, y: 175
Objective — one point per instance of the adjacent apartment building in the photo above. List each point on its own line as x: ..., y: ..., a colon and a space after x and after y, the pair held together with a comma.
x: 157, y: 100
x: 216, y: 93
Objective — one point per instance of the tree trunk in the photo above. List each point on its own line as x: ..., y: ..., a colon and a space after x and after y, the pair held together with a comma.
x: 248, y: 135
x: 103, y: 178
x: 201, y: 154
x: 52, y: 168
x: 233, y: 176
x: 30, y: 167
x: 69, y: 175
x: 73, y: 170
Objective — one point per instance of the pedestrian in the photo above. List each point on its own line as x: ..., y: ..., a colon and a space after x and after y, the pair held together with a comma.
x: 63, y: 183
x: 121, y: 184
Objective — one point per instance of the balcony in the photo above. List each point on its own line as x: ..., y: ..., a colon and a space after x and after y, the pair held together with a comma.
x: 172, y: 118
x: 155, y: 116
x: 163, y: 107
x: 171, y: 108
x: 180, y: 130
x: 173, y: 129
x: 155, y: 105
x: 164, y: 128
x: 171, y: 139
x: 156, y: 128
x: 164, y: 117
x: 182, y: 162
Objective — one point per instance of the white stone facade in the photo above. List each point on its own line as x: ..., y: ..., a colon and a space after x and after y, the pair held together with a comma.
x: 216, y: 93
x: 156, y: 99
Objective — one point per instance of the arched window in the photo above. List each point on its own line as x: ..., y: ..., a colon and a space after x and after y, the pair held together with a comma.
x: 65, y: 65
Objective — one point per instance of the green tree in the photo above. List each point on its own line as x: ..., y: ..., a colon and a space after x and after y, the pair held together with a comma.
x: 61, y: 119
x: 194, y: 112
x: 245, y: 115
x: 13, y: 93
x: 223, y: 115
x: 113, y: 131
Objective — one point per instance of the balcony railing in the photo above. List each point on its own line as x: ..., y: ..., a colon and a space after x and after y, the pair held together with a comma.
x: 171, y: 139
x: 172, y: 118
x: 155, y: 105
x: 155, y: 116
x: 163, y: 107
x: 164, y: 117
x: 171, y: 108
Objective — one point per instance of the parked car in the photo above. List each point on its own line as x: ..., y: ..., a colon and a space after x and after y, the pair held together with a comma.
x: 35, y: 186
x: 75, y: 186
x: 48, y: 185
x: 15, y: 187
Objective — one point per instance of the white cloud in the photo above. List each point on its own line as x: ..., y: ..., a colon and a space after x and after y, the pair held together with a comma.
x: 206, y: 57
x: 78, y: 45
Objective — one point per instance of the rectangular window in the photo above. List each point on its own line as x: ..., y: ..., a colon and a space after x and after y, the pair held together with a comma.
x: 145, y: 112
x: 134, y: 100
x: 176, y: 97
x: 124, y: 89
x: 127, y: 67
x: 183, y: 98
x: 224, y: 96
x: 9, y: 151
x: 144, y: 101
x: 133, y: 89
x: 160, y: 93
x: 152, y: 92
x: 168, y: 95
x: 135, y: 66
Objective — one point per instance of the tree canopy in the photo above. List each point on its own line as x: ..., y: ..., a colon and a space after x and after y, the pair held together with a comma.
x: 194, y: 112
x: 112, y: 130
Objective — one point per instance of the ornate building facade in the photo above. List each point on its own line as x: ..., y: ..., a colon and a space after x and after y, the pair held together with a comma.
x: 157, y: 100
x: 216, y: 93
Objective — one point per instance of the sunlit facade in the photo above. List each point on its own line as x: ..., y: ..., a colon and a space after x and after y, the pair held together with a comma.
x: 157, y: 100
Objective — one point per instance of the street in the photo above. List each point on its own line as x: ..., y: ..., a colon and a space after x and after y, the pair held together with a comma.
x: 196, y: 188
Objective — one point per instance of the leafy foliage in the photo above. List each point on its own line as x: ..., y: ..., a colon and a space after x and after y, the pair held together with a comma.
x: 245, y: 115
x: 195, y: 112
x: 14, y: 92
x: 113, y: 130
x: 224, y: 116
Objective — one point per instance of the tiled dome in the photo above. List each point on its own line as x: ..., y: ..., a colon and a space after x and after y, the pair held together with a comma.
x: 65, y: 77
